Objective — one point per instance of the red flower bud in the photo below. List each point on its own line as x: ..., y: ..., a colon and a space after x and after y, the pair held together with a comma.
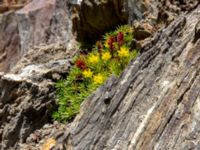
x: 120, y: 38
x: 111, y: 41
x: 80, y: 64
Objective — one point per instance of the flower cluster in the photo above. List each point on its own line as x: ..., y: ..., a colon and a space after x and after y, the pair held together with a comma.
x: 109, y: 56
x: 90, y: 71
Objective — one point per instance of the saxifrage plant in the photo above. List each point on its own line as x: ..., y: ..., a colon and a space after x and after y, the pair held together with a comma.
x: 109, y: 56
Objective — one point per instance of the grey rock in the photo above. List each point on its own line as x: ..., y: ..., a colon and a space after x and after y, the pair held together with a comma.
x: 27, y: 95
x: 44, y: 22
x: 9, y: 41
x: 155, y: 102
x: 153, y: 105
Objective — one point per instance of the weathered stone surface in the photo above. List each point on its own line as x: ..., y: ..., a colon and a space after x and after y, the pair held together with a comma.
x: 142, y: 30
x: 155, y: 102
x: 44, y: 22
x: 9, y: 41
x: 50, y: 21
x: 39, y: 139
x: 25, y: 106
x: 28, y: 94
x: 6, y: 5
x: 91, y: 18
x: 157, y: 95
x: 44, y: 61
x: 41, y: 22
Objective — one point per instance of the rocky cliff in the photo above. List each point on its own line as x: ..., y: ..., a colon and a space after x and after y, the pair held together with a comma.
x: 155, y: 102
x: 153, y: 105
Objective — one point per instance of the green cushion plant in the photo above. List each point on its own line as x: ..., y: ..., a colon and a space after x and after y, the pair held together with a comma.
x: 108, y: 56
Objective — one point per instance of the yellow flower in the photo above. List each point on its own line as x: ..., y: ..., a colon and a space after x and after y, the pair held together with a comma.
x: 123, y: 52
x: 93, y: 59
x: 106, y: 56
x: 98, y: 79
x: 87, y: 73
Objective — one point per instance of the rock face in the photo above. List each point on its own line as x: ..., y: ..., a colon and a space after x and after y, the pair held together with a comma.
x: 153, y: 105
x: 155, y: 102
x: 40, y: 22
x: 6, y: 5
x: 28, y: 94
x: 22, y: 111
x: 9, y: 41
x: 44, y: 22
x: 93, y: 17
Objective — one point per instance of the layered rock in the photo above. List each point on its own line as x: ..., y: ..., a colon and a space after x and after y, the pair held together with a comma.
x: 44, y: 22
x: 155, y: 102
x: 40, y: 22
x: 91, y: 18
x: 156, y: 94
x: 28, y: 94
x: 9, y: 41
x: 6, y: 5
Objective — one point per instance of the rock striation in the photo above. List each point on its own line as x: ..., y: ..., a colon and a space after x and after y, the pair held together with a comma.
x: 27, y: 95
x: 44, y: 22
x: 153, y: 105
x: 155, y: 102
x: 9, y: 41
x: 40, y: 22
x: 91, y: 18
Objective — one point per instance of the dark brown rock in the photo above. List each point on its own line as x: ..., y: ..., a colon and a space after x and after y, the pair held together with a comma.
x: 142, y: 30
x: 93, y: 17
